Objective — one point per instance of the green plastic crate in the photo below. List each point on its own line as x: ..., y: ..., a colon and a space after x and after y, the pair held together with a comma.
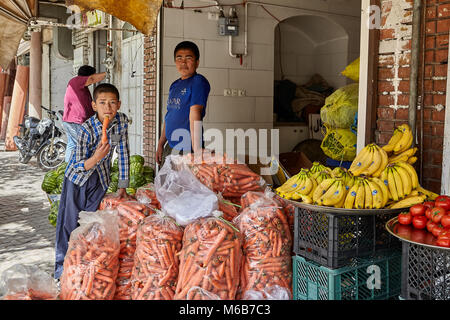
x: 357, y: 281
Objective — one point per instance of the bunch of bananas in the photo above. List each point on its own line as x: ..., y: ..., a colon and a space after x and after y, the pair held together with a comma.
x: 367, y: 193
x: 399, y: 146
x: 330, y: 192
x: 317, y: 167
x: 322, y: 175
x: 371, y: 161
x: 345, y: 175
x: 301, y: 186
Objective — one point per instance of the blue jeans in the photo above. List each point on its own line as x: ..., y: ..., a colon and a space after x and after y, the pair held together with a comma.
x: 71, y: 133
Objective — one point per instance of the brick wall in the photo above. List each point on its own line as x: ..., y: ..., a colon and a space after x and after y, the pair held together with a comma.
x: 150, y: 96
x: 393, y: 76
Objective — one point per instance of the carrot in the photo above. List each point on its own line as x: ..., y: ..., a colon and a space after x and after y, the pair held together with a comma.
x: 104, y: 127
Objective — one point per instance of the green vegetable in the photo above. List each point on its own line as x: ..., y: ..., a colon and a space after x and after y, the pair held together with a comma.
x: 136, y: 168
x: 50, y: 181
x: 137, y: 181
x: 130, y: 191
x: 112, y: 187
x: 137, y: 158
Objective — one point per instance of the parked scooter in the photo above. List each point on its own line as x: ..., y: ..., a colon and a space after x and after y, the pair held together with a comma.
x: 41, y: 138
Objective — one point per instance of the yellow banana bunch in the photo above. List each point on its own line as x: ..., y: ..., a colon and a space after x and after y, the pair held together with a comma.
x: 430, y: 195
x: 371, y: 161
x: 303, y: 186
x: 396, y: 136
x: 408, y: 202
x: 404, y: 156
x: 366, y: 193
x: 406, y: 140
x: 320, y: 176
x: 332, y: 195
x: 318, y: 167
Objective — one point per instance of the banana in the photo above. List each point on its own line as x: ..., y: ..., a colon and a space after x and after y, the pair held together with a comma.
x: 384, y: 190
x: 377, y: 195
x: 334, y: 194
x: 376, y: 161
x: 360, y: 194
x: 291, y: 181
x: 396, y: 136
x: 310, y: 194
x: 430, y: 195
x: 397, y: 159
x: 360, y: 165
x: 412, y: 172
x: 405, y: 141
x: 351, y: 196
x: 307, y: 186
x: 368, y: 199
x: 340, y: 204
x: 398, y: 183
x: 391, y: 185
x: 412, y: 160
x: 316, y: 167
x: 406, y: 180
x: 414, y: 193
x: 306, y: 199
x: 410, y: 152
x: 408, y: 202
x: 384, y: 162
x: 321, y: 189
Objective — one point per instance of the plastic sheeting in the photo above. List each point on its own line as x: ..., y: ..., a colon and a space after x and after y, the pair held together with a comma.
x: 141, y: 14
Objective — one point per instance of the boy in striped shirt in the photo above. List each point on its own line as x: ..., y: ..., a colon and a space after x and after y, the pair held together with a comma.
x: 87, y: 175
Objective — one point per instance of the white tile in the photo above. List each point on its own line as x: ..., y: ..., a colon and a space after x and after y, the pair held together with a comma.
x: 231, y: 109
x: 217, y: 56
x: 264, y: 109
x: 262, y: 56
x: 261, y: 31
x: 256, y: 83
x: 218, y: 79
x: 173, y: 22
x: 197, y: 26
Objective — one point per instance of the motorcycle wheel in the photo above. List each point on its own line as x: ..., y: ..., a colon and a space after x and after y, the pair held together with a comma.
x: 49, y: 161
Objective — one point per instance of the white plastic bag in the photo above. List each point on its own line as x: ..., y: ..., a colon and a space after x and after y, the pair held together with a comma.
x: 27, y: 282
x: 270, y: 293
x: 181, y: 194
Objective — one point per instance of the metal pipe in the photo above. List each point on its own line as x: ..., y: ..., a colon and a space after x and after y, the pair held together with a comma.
x: 422, y: 100
x: 415, y: 52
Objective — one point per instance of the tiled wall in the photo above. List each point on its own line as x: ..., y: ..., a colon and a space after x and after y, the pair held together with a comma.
x: 256, y: 74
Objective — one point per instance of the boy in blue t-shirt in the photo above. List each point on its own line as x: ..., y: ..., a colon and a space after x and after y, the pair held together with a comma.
x: 186, y: 105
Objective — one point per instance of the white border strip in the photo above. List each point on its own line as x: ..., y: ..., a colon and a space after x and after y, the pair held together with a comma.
x: 445, y: 180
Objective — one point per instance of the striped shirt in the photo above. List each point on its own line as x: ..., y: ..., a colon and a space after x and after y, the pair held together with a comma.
x: 89, y: 136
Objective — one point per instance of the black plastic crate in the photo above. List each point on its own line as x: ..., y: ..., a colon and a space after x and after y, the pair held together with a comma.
x: 334, y: 239
x: 426, y: 272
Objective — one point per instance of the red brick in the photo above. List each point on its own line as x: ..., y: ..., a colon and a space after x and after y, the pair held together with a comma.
x: 438, y: 115
x: 441, y: 55
x: 431, y: 27
x: 439, y: 99
x: 426, y: 142
x: 385, y: 100
x: 443, y: 25
x: 440, y: 70
x: 402, y: 114
x: 431, y: 13
x: 429, y: 56
x: 403, y: 86
x: 385, y: 73
x: 437, y: 143
x: 437, y: 158
x: 428, y: 85
x: 442, y: 41
x: 386, y: 34
x: 384, y: 125
x: 385, y: 86
x: 432, y: 185
x: 443, y: 10
x: 440, y: 85
x: 428, y: 72
x: 383, y: 137
x: 438, y: 129
x: 385, y: 60
x: 430, y: 42
x: 403, y: 100
x: 404, y: 72
x: 427, y: 114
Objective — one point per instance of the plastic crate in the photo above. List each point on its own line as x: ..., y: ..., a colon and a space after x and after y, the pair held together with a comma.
x: 333, y: 240
x: 426, y: 272
x: 357, y: 281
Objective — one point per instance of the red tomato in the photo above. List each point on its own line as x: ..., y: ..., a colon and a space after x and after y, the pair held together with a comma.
x: 428, y: 204
x: 443, y: 243
x: 403, y: 231
x: 419, y: 222
x: 437, y: 230
x: 405, y: 218
x: 443, y: 202
x: 441, y: 197
x: 444, y: 234
x: 437, y: 213
x: 417, y: 210
x: 418, y: 235
x: 428, y: 213
x: 445, y: 220
x: 430, y: 225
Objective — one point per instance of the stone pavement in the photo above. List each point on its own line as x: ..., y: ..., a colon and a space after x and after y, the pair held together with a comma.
x: 26, y: 236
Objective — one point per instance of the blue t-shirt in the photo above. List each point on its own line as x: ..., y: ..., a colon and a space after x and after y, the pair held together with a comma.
x: 183, y: 94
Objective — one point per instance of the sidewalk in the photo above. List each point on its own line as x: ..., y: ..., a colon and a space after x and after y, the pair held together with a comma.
x: 26, y: 236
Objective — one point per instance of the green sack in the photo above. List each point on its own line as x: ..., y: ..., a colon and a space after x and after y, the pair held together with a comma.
x: 340, y: 107
x: 339, y: 144
x: 352, y: 71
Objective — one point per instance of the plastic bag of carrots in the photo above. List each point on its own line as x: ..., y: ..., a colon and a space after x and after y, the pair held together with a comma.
x: 229, y: 209
x: 209, y: 259
x: 112, y: 200
x: 156, y: 262
x: 222, y: 174
x: 266, y: 249
x: 181, y: 195
x: 92, y: 259
x: 147, y: 195
x: 131, y: 214
x: 27, y: 282
x: 202, y: 294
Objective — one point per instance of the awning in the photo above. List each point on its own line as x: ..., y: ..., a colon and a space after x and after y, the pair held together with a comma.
x: 14, y: 16
x: 141, y: 14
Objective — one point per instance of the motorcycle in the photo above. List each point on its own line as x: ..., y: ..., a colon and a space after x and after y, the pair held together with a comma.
x: 41, y: 138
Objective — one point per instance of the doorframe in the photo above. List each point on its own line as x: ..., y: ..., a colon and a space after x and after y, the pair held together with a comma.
x: 445, y: 178
x: 368, y: 78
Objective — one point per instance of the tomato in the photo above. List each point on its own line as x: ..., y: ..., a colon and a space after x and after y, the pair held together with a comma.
x: 437, y: 230
x: 419, y: 222
x: 428, y: 204
x: 441, y: 197
x: 444, y: 234
x: 430, y: 225
x: 417, y: 210
x: 405, y: 218
x: 428, y: 213
x: 403, y: 231
x: 443, y: 243
x: 442, y: 202
x: 418, y: 235
x: 445, y: 220
x: 437, y: 213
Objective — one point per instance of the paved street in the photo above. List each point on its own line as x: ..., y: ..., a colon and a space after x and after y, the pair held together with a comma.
x: 26, y: 236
